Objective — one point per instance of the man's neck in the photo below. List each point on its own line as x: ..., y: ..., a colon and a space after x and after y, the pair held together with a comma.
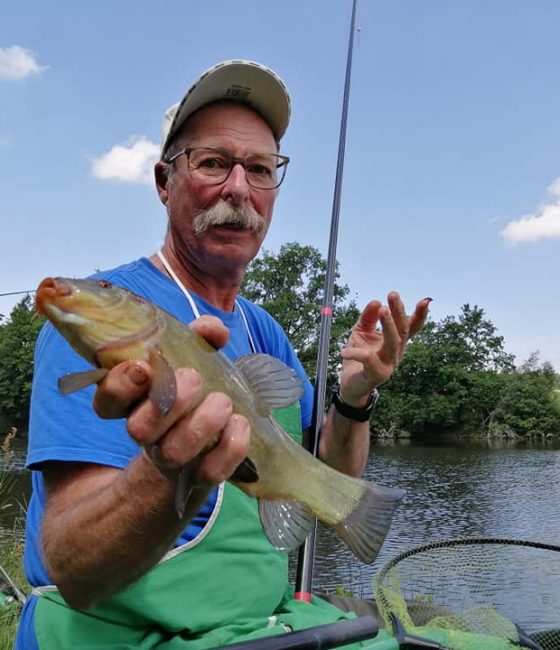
x: 219, y: 289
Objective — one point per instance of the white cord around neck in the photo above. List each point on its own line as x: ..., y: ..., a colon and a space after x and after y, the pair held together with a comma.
x: 194, y: 306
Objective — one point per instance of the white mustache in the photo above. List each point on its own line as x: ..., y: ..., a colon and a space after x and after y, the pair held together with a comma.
x: 223, y: 214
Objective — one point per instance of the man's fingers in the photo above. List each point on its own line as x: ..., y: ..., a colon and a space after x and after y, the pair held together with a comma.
x: 398, y: 313
x: 369, y: 317
x: 221, y: 462
x: 392, y: 341
x: 121, y: 389
x: 196, y: 433
x: 418, y: 318
x: 146, y: 425
x: 212, y: 329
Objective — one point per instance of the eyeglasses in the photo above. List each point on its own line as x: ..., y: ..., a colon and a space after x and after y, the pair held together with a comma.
x: 264, y: 171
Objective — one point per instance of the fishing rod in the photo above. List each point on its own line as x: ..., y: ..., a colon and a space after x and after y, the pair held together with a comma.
x: 16, y: 293
x: 304, y: 575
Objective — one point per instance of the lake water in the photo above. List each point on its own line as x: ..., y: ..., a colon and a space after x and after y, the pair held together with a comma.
x: 454, y: 490
x: 16, y: 488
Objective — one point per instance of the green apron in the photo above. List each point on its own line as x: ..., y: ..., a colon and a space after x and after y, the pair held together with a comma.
x: 227, y: 585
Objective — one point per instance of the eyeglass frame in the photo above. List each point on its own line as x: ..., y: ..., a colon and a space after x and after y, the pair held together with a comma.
x: 235, y: 160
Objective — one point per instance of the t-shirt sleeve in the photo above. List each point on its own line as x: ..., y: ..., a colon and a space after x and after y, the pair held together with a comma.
x: 65, y: 427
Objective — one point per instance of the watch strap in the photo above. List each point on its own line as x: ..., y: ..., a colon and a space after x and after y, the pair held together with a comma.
x: 359, y: 414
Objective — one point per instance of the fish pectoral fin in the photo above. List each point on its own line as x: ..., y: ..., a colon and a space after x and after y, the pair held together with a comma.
x: 77, y: 380
x: 365, y: 528
x: 286, y: 524
x: 246, y: 472
x: 163, y: 390
x: 275, y: 383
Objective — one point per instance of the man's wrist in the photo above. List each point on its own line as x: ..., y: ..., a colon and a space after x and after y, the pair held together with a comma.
x: 358, y: 414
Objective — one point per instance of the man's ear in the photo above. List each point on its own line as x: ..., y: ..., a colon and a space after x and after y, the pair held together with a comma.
x: 161, y: 175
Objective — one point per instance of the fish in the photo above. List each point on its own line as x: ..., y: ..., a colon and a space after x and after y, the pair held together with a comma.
x: 107, y: 324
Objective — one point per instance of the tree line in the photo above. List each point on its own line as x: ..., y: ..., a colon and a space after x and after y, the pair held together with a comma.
x: 456, y: 376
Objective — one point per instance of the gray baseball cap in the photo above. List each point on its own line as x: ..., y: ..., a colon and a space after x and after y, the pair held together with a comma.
x: 237, y: 80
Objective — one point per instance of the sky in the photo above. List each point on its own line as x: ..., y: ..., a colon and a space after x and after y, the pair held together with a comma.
x: 451, y: 185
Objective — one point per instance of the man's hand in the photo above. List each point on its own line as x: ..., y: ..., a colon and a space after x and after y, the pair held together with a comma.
x: 193, y: 427
x: 372, y: 354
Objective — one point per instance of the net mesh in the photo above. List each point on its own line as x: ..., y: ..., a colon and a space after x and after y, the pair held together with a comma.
x: 473, y: 593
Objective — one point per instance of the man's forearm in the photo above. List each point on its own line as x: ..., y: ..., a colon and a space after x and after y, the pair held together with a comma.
x: 344, y: 443
x: 98, y: 542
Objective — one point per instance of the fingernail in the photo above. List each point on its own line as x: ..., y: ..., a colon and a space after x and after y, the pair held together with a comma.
x: 428, y: 299
x: 137, y: 375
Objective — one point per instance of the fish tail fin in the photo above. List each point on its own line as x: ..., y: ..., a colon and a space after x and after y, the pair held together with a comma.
x: 365, y: 528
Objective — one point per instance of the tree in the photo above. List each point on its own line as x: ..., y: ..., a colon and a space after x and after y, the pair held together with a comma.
x: 17, y: 343
x: 450, y: 378
x: 290, y: 286
x: 484, y: 347
x: 529, y: 406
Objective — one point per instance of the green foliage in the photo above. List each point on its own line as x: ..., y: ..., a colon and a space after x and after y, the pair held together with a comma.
x: 451, y: 377
x: 11, y: 560
x: 17, y: 342
x: 528, y: 407
x: 290, y: 287
x: 456, y: 375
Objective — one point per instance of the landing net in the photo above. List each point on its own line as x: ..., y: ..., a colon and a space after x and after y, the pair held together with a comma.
x: 471, y: 594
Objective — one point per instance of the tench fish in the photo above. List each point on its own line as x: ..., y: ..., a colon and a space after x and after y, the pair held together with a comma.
x: 107, y: 324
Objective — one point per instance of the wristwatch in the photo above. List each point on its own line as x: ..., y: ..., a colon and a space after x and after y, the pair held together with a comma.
x: 351, y: 412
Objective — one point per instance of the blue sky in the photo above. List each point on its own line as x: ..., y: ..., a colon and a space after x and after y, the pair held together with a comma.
x: 452, y: 170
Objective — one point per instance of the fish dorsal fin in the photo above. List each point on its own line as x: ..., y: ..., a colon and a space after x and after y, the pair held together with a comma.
x: 163, y: 390
x: 286, y: 524
x: 75, y: 381
x: 275, y: 383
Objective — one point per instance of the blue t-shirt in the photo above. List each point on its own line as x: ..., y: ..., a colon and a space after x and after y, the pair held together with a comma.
x: 65, y: 427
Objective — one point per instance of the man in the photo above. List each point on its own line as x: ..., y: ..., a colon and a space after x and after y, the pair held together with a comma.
x: 101, y: 519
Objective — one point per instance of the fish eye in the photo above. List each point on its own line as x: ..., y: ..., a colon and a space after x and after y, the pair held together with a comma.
x: 104, y: 284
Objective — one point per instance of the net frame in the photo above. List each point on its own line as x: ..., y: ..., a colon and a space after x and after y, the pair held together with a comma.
x: 393, y: 580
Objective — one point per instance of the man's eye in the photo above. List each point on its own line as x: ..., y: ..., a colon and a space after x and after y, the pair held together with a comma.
x: 212, y: 162
x: 259, y: 169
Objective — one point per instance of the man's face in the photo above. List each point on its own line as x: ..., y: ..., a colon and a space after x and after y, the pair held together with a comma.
x: 240, y: 131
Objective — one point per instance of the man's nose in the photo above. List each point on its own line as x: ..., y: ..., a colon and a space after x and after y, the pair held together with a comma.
x: 235, y: 186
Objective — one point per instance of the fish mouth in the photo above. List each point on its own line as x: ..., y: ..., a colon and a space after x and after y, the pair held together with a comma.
x: 47, y: 301
x: 50, y: 290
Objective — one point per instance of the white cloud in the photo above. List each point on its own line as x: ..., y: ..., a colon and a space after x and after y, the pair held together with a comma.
x: 542, y: 224
x: 132, y: 162
x: 17, y: 63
